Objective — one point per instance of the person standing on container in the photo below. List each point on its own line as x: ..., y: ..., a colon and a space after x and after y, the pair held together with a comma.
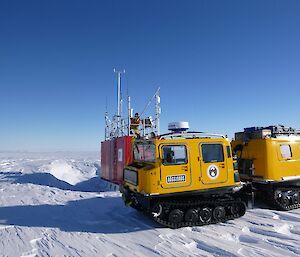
x: 134, y: 124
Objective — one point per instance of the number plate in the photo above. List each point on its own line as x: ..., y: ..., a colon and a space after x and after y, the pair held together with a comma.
x: 176, y: 179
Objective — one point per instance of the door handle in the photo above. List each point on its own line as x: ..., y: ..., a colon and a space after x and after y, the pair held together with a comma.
x: 222, y: 165
x: 185, y: 168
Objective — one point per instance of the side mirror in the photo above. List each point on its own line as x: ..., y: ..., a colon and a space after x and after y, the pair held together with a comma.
x: 234, y: 157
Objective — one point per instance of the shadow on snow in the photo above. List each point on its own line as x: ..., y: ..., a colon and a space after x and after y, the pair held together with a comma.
x: 94, y: 215
x: 94, y: 184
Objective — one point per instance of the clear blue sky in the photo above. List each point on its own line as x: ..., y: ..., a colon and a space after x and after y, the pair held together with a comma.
x: 221, y: 65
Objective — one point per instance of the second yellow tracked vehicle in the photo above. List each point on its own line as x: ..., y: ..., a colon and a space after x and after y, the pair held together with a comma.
x: 269, y: 159
x: 184, y: 179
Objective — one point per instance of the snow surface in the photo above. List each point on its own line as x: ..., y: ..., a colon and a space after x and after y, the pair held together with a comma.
x: 55, y: 204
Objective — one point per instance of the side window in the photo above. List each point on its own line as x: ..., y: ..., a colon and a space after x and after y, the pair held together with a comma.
x: 286, y: 151
x: 228, y: 151
x: 174, y: 154
x: 212, y: 153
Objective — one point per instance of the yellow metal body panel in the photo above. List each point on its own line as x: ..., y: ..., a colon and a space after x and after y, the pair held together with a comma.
x: 153, y: 177
x: 268, y: 160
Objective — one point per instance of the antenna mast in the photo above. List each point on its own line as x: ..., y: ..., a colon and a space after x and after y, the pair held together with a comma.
x: 157, y: 111
x: 129, y: 114
x: 119, y: 102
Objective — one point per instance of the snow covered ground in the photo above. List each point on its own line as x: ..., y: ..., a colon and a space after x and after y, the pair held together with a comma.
x: 54, y: 204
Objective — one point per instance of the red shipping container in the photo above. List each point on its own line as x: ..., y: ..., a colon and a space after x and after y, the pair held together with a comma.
x: 124, y: 156
x: 105, y: 165
x: 115, y: 155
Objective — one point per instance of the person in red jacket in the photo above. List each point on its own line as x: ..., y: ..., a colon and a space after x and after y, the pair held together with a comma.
x: 134, y: 123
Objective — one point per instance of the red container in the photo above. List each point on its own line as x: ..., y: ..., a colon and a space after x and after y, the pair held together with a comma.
x: 105, y: 165
x: 115, y: 155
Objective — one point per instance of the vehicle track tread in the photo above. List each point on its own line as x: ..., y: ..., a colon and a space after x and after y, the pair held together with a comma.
x: 277, y: 204
x: 173, y: 204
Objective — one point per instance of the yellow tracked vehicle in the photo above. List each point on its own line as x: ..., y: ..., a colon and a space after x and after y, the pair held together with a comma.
x: 269, y: 159
x: 184, y: 179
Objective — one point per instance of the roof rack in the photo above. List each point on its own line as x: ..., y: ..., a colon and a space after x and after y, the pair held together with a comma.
x: 190, y: 135
x: 266, y: 132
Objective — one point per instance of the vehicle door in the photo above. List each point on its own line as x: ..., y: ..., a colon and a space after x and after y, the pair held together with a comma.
x: 213, y: 163
x: 175, y: 167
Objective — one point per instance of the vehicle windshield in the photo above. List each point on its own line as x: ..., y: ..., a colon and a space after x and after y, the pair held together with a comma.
x: 144, y: 151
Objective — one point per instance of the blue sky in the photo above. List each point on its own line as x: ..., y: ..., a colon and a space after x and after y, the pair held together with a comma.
x: 221, y: 65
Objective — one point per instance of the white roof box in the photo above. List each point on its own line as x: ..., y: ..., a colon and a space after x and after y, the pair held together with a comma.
x: 178, y: 126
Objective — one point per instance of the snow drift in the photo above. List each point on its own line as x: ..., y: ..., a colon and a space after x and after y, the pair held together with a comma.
x: 69, y: 172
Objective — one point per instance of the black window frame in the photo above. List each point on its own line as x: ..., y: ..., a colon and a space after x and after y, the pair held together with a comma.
x: 213, y: 161
x: 228, y: 149
x: 291, y: 152
x: 136, y: 151
x: 174, y: 164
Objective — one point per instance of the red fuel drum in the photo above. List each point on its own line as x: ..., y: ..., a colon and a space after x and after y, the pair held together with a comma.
x: 116, y: 153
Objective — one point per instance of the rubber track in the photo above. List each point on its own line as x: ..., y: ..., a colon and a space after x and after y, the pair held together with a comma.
x: 199, y: 204
x: 280, y: 206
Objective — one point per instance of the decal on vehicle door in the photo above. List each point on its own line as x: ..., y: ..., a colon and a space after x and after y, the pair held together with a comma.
x: 212, y: 171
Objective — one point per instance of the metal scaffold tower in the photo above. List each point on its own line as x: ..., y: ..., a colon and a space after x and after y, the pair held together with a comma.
x: 132, y: 125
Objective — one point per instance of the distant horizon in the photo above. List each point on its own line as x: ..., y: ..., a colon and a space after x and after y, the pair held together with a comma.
x: 48, y: 151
